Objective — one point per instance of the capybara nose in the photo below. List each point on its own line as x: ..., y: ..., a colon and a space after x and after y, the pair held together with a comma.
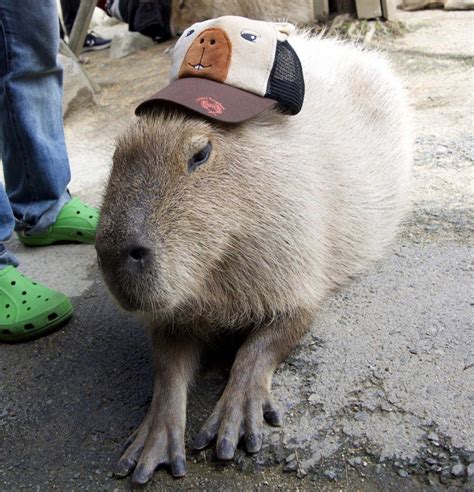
x: 133, y: 258
x: 136, y: 257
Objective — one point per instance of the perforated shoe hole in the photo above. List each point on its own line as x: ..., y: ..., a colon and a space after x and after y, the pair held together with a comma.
x: 52, y: 316
x: 29, y: 326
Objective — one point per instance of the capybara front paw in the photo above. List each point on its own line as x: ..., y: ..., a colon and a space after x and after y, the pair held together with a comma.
x: 152, y: 446
x: 238, y: 414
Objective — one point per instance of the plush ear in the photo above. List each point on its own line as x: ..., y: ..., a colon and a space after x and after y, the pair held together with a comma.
x: 283, y: 29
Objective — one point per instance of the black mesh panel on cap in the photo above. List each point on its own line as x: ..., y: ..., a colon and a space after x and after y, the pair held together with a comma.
x: 286, y: 82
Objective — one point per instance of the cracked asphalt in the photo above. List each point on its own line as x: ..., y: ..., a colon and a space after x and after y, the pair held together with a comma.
x: 379, y: 394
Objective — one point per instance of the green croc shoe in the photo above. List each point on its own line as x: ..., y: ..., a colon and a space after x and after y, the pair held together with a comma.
x: 76, y: 223
x: 29, y: 309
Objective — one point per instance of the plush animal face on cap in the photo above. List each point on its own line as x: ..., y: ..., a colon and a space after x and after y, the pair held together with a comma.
x: 232, y: 50
x: 209, y: 56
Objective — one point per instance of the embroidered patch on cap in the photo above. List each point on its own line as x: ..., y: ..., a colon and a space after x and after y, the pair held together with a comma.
x: 210, y: 105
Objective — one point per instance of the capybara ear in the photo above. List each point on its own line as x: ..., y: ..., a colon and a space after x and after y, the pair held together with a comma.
x: 284, y: 29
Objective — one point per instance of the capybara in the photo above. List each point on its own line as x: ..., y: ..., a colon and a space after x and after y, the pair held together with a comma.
x: 187, y: 12
x: 211, y: 228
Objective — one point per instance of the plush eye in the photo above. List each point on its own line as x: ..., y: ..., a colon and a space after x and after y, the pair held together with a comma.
x: 199, y: 158
x: 251, y: 36
x: 189, y: 32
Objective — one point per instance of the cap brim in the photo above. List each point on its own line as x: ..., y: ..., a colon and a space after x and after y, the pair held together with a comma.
x: 212, y: 99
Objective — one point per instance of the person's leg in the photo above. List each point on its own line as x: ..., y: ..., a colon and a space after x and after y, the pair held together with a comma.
x: 69, y: 8
x: 27, y: 308
x: 92, y: 41
x: 36, y: 167
x: 35, y: 162
x: 7, y: 224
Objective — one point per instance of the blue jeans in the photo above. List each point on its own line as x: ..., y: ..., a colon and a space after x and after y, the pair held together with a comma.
x: 32, y: 146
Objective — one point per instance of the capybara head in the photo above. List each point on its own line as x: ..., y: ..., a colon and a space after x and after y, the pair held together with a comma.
x: 172, y: 207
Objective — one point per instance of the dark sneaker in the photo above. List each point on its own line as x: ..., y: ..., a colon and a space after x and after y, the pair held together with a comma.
x: 95, y: 43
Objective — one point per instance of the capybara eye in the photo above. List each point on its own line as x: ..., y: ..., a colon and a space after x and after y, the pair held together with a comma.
x: 250, y: 36
x: 199, y: 158
x: 189, y: 32
x: 182, y: 4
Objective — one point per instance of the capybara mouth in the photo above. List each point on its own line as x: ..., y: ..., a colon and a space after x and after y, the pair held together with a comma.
x: 125, y: 300
x: 125, y: 293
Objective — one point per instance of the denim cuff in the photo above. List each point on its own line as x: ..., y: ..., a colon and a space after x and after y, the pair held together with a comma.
x: 7, y: 258
x: 47, y: 219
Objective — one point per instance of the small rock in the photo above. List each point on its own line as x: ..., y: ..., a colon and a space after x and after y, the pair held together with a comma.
x: 301, y: 473
x: 470, y: 470
x: 457, y: 470
x: 110, y: 475
x: 76, y: 475
x: 3, y: 414
x: 433, y: 437
x: 469, y: 362
x: 355, y: 461
x: 403, y: 473
x: 331, y: 474
x: 128, y: 43
x: 314, y: 398
x: 392, y: 399
x: 445, y: 477
x: 291, y: 467
x: 413, y: 350
x: 290, y: 457
x: 362, y: 416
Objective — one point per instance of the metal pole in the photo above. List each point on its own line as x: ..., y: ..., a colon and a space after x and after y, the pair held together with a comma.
x: 81, y: 25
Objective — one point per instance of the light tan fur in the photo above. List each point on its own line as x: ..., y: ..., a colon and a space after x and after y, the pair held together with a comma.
x: 287, y: 209
x: 187, y: 12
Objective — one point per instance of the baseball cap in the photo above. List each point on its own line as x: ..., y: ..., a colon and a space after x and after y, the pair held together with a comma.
x: 231, y: 69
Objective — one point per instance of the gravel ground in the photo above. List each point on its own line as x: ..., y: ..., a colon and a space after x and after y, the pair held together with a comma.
x: 379, y: 395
